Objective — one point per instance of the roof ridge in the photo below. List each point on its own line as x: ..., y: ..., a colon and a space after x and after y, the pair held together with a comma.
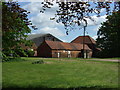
x: 62, y: 42
x: 91, y: 39
x: 74, y: 39
x: 87, y: 37
x: 65, y: 45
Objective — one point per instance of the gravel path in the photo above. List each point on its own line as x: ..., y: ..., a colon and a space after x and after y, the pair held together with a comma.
x: 70, y: 59
x: 111, y: 60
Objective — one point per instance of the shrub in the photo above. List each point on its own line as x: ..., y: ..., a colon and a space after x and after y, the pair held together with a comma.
x: 30, y: 53
x: 4, y: 57
x: 38, y: 62
x: 10, y: 59
x: 20, y: 53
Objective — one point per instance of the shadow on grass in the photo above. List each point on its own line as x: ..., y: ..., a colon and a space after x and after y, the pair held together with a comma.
x: 81, y: 88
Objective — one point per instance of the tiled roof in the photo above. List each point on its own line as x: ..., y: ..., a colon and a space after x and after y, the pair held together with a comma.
x: 65, y: 46
x: 39, y: 38
x: 88, y: 40
x: 32, y: 36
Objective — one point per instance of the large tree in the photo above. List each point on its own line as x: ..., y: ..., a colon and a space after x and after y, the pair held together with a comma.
x: 109, y: 36
x: 74, y: 13
x: 14, y: 28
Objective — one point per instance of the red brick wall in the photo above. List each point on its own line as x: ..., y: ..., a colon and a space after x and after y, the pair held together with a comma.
x: 65, y: 53
x: 90, y: 53
x: 44, y: 50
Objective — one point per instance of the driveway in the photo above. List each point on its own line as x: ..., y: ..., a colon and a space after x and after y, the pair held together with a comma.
x: 111, y: 60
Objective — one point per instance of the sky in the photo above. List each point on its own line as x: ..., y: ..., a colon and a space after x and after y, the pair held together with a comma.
x: 45, y: 25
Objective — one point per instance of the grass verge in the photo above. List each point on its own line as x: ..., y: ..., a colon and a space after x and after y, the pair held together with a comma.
x: 63, y: 73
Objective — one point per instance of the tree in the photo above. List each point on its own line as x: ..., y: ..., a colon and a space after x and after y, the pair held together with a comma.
x: 74, y: 13
x: 14, y: 28
x: 109, y: 36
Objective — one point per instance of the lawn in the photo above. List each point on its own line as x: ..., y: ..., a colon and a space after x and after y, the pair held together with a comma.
x: 0, y: 75
x: 59, y: 73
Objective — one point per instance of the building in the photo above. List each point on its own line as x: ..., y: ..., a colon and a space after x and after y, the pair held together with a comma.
x: 88, y: 41
x: 33, y: 47
x: 39, y: 38
x: 61, y: 49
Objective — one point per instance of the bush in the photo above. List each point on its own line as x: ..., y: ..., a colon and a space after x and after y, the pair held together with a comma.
x: 10, y: 59
x: 30, y: 53
x: 4, y: 57
x: 38, y: 62
x: 20, y: 53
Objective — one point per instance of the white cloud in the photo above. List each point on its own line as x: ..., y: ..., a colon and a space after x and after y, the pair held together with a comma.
x: 54, y: 31
x: 97, y: 20
x: 45, y: 25
x: 64, y: 40
x: 96, y: 28
x: 26, y: 0
x: 33, y: 7
x: 43, y: 20
x: 96, y: 23
x: 33, y: 33
x: 102, y: 10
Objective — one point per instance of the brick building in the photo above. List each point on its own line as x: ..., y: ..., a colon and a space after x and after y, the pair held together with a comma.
x: 90, y: 42
x: 61, y: 49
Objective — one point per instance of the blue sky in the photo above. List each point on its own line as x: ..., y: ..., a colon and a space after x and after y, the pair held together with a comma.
x: 45, y: 25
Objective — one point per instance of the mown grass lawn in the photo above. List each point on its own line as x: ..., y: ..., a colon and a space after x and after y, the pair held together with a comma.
x: 0, y: 75
x: 59, y: 74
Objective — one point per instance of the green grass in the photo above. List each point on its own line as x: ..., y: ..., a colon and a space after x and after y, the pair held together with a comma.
x: 116, y: 58
x: 61, y: 73
x: 0, y: 75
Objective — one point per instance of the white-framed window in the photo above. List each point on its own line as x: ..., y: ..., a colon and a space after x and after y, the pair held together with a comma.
x: 58, y: 54
x: 69, y: 53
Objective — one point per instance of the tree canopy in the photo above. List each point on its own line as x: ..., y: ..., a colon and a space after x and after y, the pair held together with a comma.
x: 75, y: 13
x: 14, y: 28
x: 109, y: 36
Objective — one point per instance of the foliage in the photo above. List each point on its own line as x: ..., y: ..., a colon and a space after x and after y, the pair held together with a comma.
x: 76, y: 13
x: 12, y: 59
x: 67, y: 73
x: 14, y: 28
x: 38, y: 62
x: 109, y: 36
x: 21, y: 52
x: 30, y: 53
